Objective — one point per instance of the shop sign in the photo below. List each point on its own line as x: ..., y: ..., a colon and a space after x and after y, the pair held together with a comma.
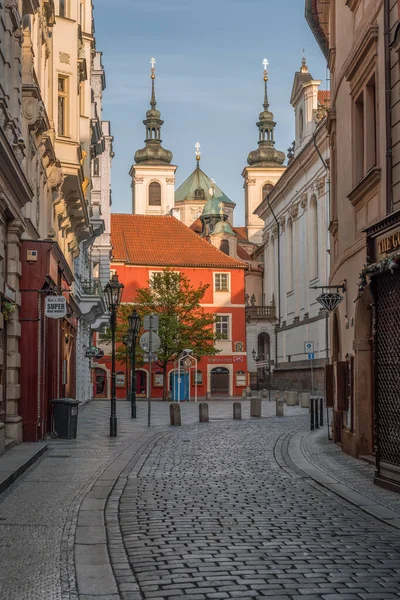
x: 55, y: 307
x: 230, y: 359
x: 388, y: 243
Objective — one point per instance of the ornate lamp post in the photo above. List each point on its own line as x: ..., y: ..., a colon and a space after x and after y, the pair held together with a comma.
x: 134, y: 328
x: 113, y: 294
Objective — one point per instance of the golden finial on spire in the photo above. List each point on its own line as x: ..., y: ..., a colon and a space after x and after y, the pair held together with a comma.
x: 221, y: 208
x: 153, y: 69
x: 198, y: 153
x: 265, y: 63
x: 303, y: 68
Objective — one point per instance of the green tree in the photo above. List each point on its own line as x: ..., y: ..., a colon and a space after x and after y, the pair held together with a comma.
x: 183, y: 323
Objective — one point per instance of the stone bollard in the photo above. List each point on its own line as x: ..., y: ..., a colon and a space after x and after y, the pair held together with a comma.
x: 203, y: 412
x: 305, y: 400
x: 244, y: 394
x: 291, y: 398
x: 248, y: 393
x: 208, y: 396
x: 237, y: 410
x: 175, y: 414
x: 255, y: 407
x: 265, y: 394
x: 279, y: 407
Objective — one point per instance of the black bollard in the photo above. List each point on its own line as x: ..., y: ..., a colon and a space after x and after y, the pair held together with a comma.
x: 316, y: 418
x: 312, y: 427
x: 321, y: 412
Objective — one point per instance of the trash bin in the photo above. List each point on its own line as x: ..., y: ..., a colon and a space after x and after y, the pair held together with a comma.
x: 65, y: 417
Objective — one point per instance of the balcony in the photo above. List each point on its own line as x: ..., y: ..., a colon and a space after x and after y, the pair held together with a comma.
x: 90, y: 299
x: 261, y: 313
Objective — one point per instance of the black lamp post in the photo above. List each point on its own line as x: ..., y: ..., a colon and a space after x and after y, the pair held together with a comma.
x: 134, y: 328
x: 113, y: 294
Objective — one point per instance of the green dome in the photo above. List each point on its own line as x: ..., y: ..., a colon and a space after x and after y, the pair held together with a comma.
x: 223, y: 227
x: 212, y: 207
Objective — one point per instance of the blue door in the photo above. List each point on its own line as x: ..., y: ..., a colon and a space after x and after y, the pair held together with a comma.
x: 183, y: 383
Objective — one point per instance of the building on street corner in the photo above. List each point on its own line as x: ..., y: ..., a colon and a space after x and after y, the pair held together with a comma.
x: 53, y: 145
x: 360, y: 42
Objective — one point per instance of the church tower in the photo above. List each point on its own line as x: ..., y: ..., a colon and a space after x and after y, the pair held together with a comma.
x: 153, y: 176
x: 264, y: 170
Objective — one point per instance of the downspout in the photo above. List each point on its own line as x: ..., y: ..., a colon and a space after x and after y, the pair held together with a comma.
x: 279, y: 280
x: 388, y: 107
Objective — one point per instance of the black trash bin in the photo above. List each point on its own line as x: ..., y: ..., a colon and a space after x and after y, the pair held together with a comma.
x: 65, y: 416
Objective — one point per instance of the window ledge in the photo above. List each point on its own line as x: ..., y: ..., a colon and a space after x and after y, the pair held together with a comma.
x: 365, y: 185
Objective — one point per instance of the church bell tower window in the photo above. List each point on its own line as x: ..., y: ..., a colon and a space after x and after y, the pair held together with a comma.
x: 199, y: 194
x: 154, y: 194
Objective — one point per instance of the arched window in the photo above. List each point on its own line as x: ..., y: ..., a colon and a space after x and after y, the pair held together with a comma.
x: 301, y: 124
x: 224, y: 247
x: 199, y: 193
x: 154, y: 194
x: 313, y: 237
x: 267, y: 188
x: 289, y: 256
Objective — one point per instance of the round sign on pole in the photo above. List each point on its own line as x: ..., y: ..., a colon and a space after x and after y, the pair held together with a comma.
x: 145, y: 342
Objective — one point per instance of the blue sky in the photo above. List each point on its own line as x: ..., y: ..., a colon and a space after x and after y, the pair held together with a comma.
x: 209, y: 83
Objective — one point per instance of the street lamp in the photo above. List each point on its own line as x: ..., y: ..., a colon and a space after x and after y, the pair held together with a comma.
x: 134, y: 328
x: 113, y: 294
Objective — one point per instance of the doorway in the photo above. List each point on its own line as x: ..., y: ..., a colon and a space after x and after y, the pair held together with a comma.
x: 220, y: 381
x: 101, y: 384
x: 141, y: 383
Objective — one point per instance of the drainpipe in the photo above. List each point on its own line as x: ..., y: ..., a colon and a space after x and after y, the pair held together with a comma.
x: 388, y: 106
x: 279, y: 280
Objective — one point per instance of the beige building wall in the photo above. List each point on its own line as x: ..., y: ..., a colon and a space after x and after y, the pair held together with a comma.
x: 353, y: 37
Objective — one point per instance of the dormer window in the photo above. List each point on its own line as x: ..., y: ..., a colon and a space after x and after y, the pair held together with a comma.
x: 199, y: 194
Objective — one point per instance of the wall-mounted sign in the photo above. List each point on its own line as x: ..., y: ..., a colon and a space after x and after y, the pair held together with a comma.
x: 238, y: 347
x: 55, y: 307
x: 226, y: 359
x: 120, y: 379
x: 158, y: 380
x: 388, y: 243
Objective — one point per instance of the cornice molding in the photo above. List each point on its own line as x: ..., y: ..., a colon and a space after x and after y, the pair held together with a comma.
x: 367, y: 183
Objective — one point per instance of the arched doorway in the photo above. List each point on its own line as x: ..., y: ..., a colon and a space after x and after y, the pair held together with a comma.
x: 141, y: 383
x: 100, y: 383
x: 263, y: 346
x: 220, y: 381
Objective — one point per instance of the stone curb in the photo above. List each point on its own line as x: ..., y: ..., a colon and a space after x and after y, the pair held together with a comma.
x: 295, y: 450
x: 22, y: 463
x: 102, y: 566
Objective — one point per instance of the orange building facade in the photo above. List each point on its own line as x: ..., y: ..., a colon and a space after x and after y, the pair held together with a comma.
x: 144, y: 245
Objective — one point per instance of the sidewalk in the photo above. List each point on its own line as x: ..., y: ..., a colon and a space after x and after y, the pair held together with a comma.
x: 323, y: 461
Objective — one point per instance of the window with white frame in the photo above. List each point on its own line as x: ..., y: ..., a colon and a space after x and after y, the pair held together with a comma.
x: 222, y: 326
x: 221, y: 281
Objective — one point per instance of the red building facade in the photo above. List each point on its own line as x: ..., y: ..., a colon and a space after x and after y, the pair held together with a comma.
x: 47, y: 345
x: 144, y: 245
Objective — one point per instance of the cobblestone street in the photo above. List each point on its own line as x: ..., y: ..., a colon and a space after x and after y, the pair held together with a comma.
x: 205, y: 511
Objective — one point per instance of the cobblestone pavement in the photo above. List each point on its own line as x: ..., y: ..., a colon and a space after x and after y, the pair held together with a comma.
x: 356, y: 473
x: 214, y: 513
x: 39, y: 512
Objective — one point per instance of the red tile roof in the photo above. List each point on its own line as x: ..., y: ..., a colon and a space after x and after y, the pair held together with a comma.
x: 243, y: 254
x: 324, y: 97
x: 163, y: 241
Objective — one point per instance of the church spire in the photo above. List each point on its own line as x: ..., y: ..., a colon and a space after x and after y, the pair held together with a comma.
x: 153, y: 153
x: 266, y: 154
x: 198, y: 154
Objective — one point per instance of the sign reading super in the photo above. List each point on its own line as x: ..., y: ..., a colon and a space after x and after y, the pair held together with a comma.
x: 55, y: 307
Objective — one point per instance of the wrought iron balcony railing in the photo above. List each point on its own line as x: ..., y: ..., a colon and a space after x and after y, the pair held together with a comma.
x: 92, y: 287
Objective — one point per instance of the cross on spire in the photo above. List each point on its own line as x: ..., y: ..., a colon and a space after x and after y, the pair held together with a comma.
x: 265, y: 63
x: 152, y: 62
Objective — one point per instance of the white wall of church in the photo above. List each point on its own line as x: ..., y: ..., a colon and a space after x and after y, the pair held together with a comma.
x: 255, y: 179
x: 142, y: 176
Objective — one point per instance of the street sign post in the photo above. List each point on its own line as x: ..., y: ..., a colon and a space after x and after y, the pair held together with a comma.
x: 309, y: 350
x: 150, y: 343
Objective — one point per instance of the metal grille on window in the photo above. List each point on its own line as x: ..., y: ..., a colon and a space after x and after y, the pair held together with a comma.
x: 387, y: 345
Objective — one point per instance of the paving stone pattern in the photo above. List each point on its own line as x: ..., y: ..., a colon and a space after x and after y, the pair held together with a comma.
x: 212, y: 515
